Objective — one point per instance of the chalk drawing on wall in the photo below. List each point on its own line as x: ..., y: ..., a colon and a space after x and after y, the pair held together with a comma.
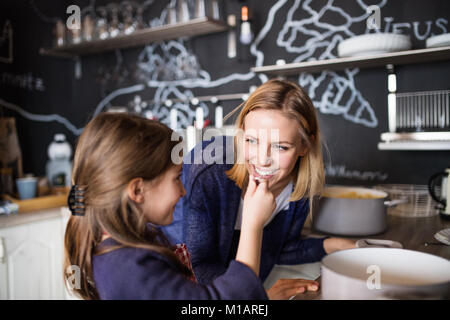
x: 172, y: 71
x: 338, y: 93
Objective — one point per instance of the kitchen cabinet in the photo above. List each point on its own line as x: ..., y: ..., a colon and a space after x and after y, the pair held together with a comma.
x: 33, y: 252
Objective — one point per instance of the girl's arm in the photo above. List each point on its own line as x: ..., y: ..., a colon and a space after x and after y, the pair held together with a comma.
x: 259, y: 203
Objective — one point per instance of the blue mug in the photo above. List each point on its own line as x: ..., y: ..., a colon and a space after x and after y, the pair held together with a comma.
x: 27, y: 187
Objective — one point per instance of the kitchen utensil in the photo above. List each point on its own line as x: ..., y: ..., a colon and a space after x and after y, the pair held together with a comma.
x: 373, y: 43
x: 183, y: 11
x: 231, y: 36
x: 444, y: 206
x: 378, y: 243
x: 419, y: 203
x: 60, y: 31
x: 441, y: 40
x: 88, y: 28
x: 384, y: 273
x: 443, y: 236
x: 426, y: 244
x: 352, y: 211
x: 200, y: 8
x: 422, y: 111
x: 171, y: 15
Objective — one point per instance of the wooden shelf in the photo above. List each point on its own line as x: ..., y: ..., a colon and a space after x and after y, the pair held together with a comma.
x: 420, y: 141
x: 195, y: 27
x: 394, y: 58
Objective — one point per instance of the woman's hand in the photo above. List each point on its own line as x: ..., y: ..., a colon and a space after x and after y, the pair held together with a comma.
x: 259, y: 204
x: 283, y: 289
x: 331, y: 245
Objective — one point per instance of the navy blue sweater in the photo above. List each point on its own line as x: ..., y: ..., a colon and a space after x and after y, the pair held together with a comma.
x: 205, y: 218
x: 133, y: 273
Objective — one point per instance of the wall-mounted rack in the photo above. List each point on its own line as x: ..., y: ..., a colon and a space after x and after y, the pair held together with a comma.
x: 194, y: 27
x: 378, y: 60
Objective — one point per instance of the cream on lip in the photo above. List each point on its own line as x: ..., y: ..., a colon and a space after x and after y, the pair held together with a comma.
x: 264, y: 173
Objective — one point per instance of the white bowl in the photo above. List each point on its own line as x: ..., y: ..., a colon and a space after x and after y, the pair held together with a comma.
x: 384, y: 273
x: 441, y: 40
x: 373, y: 43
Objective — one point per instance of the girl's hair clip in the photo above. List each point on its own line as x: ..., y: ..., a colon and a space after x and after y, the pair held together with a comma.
x: 75, y: 200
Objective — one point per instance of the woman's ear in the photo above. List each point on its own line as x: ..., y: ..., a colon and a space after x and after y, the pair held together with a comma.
x: 303, y: 151
x: 135, y: 190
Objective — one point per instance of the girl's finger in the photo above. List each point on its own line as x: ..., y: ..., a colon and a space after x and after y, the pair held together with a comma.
x: 263, y: 185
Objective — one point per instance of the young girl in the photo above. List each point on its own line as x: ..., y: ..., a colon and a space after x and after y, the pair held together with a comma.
x: 279, y: 141
x: 125, y: 186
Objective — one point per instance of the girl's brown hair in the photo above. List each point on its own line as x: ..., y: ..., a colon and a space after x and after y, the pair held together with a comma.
x: 292, y: 100
x: 112, y: 150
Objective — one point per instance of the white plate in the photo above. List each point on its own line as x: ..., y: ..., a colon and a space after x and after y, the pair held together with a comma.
x: 373, y: 43
x: 378, y: 243
x: 443, y: 236
x: 441, y: 40
x: 397, y: 266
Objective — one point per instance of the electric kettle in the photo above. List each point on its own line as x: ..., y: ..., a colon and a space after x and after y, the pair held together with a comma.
x: 444, y: 198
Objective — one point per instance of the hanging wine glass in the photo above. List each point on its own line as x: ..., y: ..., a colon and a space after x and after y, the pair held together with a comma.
x: 101, y: 24
x: 140, y: 24
x: 129, y: 24
x: 88, y: 27
x: 114, y: 24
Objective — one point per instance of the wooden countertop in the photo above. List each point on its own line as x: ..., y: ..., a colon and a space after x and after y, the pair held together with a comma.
x: 412, y: 233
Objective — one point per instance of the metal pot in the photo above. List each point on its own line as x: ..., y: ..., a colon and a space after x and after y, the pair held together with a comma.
x: 384, y: 273
x: 352, y: 211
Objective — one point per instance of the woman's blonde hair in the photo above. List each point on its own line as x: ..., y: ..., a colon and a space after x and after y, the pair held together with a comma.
x: 112, y: 150
x: 292, y: 100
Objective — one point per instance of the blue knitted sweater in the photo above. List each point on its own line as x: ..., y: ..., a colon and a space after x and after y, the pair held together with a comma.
x: 205, y: 218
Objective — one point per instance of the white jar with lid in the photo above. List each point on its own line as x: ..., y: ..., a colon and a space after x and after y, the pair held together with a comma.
x: 59, y: 166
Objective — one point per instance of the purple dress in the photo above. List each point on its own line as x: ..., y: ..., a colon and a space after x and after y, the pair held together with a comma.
x: 134, y: 273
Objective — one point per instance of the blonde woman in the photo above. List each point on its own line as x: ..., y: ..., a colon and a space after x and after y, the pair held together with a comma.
x: 278, y: 142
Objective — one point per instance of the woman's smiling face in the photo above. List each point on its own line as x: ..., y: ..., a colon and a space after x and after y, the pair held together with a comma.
x: 272, y: 146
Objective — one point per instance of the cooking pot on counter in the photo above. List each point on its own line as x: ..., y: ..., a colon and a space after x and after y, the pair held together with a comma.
x: 384, y: 273
x: 352, y: 211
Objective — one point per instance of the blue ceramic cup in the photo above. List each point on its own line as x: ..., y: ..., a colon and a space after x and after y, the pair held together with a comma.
x: 26, y: 187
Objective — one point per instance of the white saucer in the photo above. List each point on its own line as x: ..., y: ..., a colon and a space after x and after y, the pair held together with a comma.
x: 443, y: 236
x: 373, y: 44
x: 378, y: 243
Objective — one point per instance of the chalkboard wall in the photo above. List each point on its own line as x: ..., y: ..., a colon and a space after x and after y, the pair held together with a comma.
x: 46, y: 97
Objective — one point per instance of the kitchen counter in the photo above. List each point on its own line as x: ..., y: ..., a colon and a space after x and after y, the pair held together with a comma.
x: 27, y: 217
x: 412, y: 233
